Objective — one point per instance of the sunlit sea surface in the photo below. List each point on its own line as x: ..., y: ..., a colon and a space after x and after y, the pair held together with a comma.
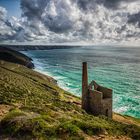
x: 114, y: 67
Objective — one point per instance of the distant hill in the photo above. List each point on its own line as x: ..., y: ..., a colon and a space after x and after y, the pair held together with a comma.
x: 38, y: 47
x: 10, y: 55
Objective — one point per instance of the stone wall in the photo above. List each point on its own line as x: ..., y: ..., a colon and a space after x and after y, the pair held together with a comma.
x: 96, y: 99
x: 99, y: 105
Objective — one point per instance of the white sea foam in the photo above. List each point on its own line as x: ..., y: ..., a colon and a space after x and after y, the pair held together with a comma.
x: 60, y: 82
x: 109, y: 66
x: 121, y: 109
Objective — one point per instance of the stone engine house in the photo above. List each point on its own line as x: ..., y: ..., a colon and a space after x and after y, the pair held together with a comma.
x: 96, y: 99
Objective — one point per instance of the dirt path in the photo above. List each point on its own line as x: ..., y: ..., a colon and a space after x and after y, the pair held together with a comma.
x: 125, y: 119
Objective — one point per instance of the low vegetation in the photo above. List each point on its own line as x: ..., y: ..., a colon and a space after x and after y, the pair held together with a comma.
x: 39, y: 109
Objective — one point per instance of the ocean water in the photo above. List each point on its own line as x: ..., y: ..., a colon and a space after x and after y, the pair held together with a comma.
x: 114, y: 67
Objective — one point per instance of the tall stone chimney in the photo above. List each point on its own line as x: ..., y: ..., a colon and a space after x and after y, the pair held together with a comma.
x: 97, y: 101
x: 85, y: 87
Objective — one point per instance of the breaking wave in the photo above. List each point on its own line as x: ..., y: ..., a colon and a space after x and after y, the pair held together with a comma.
x: 113, y: 67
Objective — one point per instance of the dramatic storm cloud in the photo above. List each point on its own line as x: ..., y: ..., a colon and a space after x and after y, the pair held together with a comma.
x: 10, y: 29
x: 75, y: 21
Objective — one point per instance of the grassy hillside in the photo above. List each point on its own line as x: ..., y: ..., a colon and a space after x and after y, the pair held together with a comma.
x: 32, y: 106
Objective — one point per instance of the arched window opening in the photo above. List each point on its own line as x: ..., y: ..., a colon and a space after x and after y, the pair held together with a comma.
x: 106, y: 112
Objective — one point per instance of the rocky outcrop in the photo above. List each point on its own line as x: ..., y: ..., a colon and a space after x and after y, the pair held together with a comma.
x: 13, y: 56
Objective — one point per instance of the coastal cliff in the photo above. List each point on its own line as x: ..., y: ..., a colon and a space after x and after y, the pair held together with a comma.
x: 32, y: 106
x: 37, y: 47
x: 11, y: 55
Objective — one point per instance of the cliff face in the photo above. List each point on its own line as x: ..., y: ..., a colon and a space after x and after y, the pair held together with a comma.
x: 10, y: 55
x: 32, y: 106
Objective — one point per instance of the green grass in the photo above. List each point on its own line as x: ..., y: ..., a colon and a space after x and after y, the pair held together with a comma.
x: 43, y: 110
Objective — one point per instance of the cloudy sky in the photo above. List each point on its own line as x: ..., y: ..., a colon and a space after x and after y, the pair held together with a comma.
x: 70, y: 21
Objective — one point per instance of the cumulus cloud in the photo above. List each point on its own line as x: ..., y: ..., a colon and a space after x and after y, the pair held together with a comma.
x: 76, y: 20
x: 9, y: 28
x: 134, y: 19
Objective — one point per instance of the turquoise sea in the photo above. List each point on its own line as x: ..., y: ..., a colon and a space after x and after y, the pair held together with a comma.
x: 114, y: 67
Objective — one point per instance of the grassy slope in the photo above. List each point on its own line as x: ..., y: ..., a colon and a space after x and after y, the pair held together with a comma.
x: 33, y: 106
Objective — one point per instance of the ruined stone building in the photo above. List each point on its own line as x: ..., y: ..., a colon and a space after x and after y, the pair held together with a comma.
x: 96, y: 99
